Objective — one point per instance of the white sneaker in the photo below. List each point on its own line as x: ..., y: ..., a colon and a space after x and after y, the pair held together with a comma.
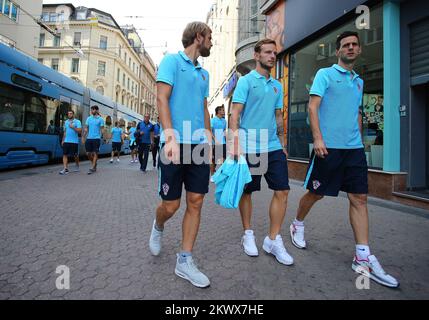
x: 111, y: 160
x: 297, y: 236
x: 155, y: 241
x: 189, y: 271
x: 117, y: 160
x: 375, y: 271
x: 277, y: 248
x: 249, y: 243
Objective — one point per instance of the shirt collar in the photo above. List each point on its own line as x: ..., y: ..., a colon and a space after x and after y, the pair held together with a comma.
x: 187, y: 59
x: 257, y: 75
x: 342, y: 70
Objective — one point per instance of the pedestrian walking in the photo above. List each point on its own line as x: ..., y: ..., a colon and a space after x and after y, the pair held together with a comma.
x: 70, y: 141
x: 338, y: 162
x: 258, y: 102
x: 218, y: 126
x: 133, y: 142
x: 92, y: 137
x: 156, y: 140
x: 182, y: 88
x: 117, y: 141
x: 145, y: 141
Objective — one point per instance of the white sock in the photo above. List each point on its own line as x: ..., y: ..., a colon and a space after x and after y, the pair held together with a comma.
x: 298, y: 223
x: 362, y: 252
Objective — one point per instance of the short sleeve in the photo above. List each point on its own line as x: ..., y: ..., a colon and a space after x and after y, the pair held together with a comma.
x: 78, y: 124
x: 320, y: 83
x: 279, y: 103
x: 241, y: 91
x: 87, y: 121
x: 167, y: 70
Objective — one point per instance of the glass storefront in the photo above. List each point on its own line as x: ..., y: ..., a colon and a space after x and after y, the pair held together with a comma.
x: 321, y: 54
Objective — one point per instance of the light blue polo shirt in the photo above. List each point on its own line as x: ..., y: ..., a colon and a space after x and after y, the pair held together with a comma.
x: 116, y: 135
x: 341, y: 92
x: 94, y: 127
x: 261, y: 98
x: 71, y: 135
x: 132, y: 136
x: 190, y: 88
x: 218, y: 128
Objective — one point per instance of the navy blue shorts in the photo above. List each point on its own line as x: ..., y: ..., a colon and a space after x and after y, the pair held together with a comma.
x: 70, y: 149
x: 274, y: 168
x: 116, y: 146
x: 92, y: 145
x: 341, y: 170
x: 193, y: 172
x: 219, y: 152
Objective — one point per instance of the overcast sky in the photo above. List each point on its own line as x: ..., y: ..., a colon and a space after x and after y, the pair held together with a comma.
x: 160, y: 22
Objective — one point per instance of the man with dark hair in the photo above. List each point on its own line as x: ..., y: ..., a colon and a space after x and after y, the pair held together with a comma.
x: 145, y: 140
x: 338, y: 161
x: 92, y: 137
x: 70, y: 141
x: 117, y: 141
x: 218, y: 126
x: 183, y: 87
x: 258, y: 102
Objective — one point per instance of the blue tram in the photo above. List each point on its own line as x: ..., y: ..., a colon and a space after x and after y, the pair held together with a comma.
x: 34, y: 100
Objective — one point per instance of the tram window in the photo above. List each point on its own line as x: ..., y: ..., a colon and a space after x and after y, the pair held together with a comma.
x: 12, y: 104
x: 76, y: 107
x: 107, y: 131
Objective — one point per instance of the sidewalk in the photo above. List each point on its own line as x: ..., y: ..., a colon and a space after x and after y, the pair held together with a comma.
x: 99, y: 227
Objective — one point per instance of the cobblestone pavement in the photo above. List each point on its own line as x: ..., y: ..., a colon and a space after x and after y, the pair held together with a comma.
x: 99, y: 227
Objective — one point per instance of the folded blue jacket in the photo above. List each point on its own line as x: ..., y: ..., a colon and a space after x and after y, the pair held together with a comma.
x: 230, y: 180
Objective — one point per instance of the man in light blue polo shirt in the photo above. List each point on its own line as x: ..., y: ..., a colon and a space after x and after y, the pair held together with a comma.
x: 258, y: 112
x: 117, y: 141
x: 218, y: 126
x: 92, y: 137
x: 182, y: 88
x: 338, y: 162
x: 70, y: 142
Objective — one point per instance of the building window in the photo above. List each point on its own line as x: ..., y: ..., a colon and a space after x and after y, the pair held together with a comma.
x: 40, y: 60
x: 57, y: 40
x: 9, y: 9
x: 128, y: 86
x: 42, y: 40
x: 120, y: 51
x: 77, y: 38
x: 55, y: 63
x: 101, y: 71
x: 123, y: 80
x: 45, y: 16
x: 53, y: 17
x: 118, y: 76
x: 75, y: 65
x: 129, y: 62
x: 125, y: 57
x: 81, y: 15
x: 103, y: 42
x: 308, y: 60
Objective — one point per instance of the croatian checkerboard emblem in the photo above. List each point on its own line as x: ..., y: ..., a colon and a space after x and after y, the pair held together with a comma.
x: 165, y: 188
x: 316, y: 184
